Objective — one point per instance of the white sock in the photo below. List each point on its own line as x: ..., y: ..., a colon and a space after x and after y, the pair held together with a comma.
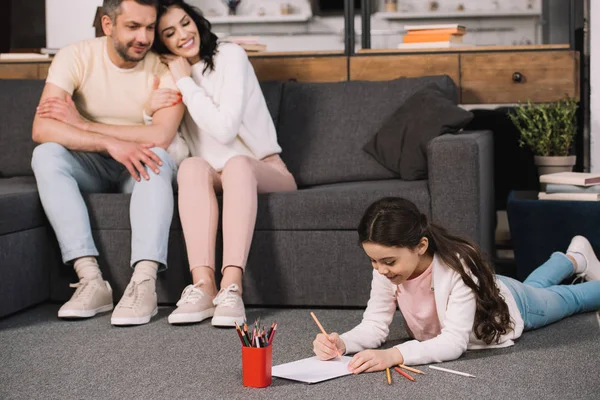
x: 145, y: 270
x: 87, y: 268
x: 580, y: 260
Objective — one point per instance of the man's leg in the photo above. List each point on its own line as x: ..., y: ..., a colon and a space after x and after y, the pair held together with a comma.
x: 151, y: 213
x: 62, y: 176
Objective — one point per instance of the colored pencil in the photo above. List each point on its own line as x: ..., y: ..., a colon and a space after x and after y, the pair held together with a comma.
x: 323, y: 330
x: 239, y: 332
x: 452, y: 371
x: 416, y: 371
x: 389, y: 377
x: 404, y: 374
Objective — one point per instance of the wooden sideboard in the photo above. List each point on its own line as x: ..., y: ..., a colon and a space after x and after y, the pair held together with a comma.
x: 484, y: 75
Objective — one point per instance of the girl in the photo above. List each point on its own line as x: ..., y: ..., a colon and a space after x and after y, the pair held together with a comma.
x: 448, y: 294
x: 234, y: 150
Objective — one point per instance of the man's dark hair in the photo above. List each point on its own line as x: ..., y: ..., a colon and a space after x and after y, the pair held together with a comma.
x: 112, y: 8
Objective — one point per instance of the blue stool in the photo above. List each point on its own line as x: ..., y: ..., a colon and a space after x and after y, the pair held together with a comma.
x: 540, y: 227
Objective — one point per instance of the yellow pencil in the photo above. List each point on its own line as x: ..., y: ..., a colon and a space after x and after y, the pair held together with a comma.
x: 312, y: 314
x: 389, y: 377
x: 411, y: 369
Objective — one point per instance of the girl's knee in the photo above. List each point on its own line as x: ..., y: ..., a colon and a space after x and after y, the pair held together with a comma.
x: 193, y: 170
x: 48, y: 155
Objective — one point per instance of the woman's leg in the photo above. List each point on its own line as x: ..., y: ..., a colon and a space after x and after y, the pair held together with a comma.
x: 243, y: 178
x: 199, y: 214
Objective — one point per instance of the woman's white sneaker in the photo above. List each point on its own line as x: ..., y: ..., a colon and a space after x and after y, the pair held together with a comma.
x: 92, y: 296
x: 230, y: 307
x: 581, y: 245
x: 194, y: 306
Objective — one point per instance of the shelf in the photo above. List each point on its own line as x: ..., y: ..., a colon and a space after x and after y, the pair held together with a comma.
x: 457, y: 14
x: 255, y: 19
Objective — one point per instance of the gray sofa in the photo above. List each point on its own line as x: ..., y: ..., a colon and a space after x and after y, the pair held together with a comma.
x: 305, y: 250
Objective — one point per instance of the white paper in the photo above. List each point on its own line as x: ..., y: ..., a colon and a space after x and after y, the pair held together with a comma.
x: 312, y: 370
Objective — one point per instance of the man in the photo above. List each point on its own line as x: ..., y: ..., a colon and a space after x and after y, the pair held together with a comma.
x: 97, y: 141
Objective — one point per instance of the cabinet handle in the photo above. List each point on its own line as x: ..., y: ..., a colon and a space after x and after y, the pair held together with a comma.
x: 518, y: 77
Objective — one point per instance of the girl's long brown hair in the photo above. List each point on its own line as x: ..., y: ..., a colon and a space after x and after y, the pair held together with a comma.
x: 397, y: 222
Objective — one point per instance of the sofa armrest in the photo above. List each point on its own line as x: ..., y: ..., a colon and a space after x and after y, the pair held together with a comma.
x: 461, y: 183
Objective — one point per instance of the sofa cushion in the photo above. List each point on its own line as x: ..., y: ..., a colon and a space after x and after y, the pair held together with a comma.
x: 326, y: 207
x: 20, y: 207
x: 18, y: 100
x: 272, y: 93
x: 323, y: 126
x: 401, y: 143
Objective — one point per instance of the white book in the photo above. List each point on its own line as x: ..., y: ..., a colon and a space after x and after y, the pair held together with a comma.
x: 23, y: 56
x: 569, y: 196
x: 432, y: 45
x: 433, y: 26
x: 572, y: 178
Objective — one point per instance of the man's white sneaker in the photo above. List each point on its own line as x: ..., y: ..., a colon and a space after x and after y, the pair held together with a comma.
x: 92, y: 296
x: 581, y: 245
x: 194, y: 306
x: 138, y: 304
x: 230, y: 307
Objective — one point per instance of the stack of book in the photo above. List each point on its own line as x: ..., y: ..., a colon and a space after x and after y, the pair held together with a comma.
x: 578, y: 186
x: 249, y: 43
x: 432, y: 36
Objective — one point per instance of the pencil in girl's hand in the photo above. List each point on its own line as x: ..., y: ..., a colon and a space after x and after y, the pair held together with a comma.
x: 416, y: 371
x: 404, y: 374
x: 323, y: 330
x: 389, y: 377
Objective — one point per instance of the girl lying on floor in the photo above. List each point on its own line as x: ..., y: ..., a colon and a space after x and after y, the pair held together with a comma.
x: 449, y: 295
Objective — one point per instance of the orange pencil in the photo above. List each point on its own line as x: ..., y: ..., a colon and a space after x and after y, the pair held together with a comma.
x: 322, y: 329
x: 416, y: 371
x: 404, y: 374
x: 389, y: 377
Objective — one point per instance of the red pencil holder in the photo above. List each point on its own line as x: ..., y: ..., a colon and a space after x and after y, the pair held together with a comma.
x: 256, y: 366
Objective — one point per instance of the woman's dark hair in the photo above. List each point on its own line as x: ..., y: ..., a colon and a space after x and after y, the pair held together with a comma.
x: 397, y: 222
x: 208, y: 40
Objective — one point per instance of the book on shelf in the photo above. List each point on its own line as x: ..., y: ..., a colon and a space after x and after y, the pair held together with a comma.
x: 564, y: 188
x: 443, y: 37
x: 572, y: 178
x: 434, y: 27
x: 431, y: 45
x: 23, y: 56
x: 451, y: 31
x: 569, y: 196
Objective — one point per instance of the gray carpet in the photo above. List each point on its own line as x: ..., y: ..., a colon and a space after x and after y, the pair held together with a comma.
x: 42, y: 357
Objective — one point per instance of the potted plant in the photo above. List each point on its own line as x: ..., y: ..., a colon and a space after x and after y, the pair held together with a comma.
x: 549, y: 131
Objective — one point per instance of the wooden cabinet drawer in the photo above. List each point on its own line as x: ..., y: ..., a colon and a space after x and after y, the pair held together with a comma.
x: 18, y: 71
x: 386, y: 67
x: 493, y: 78
x: 301, y: 69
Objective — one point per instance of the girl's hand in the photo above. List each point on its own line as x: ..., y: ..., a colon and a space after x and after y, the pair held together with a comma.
x: 61, y: 110
x: 374, y: 360
x: 160, y: 98
x: 328, y: 347
x: 179, y: 66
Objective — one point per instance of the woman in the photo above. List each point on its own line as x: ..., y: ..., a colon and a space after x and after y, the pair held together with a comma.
x: 234, y: 150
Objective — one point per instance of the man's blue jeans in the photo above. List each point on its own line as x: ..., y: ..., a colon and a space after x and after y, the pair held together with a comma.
x: 63, y: 175
x: 542, y: 301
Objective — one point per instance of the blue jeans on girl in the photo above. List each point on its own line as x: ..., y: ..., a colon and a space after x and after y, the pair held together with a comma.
x: 542, y: 300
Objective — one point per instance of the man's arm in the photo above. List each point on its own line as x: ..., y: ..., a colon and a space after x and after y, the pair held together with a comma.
x: 162, y: 131
x: 51, y: 130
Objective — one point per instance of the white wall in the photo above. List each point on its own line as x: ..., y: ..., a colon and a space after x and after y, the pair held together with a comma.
x: 594, y: 86
x: 69, y: 21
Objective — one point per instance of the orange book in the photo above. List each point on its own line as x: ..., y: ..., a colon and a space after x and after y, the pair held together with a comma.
x: 414, y: 38
x: 455, y: 31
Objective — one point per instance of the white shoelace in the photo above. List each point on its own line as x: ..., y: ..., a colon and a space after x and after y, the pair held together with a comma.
x: 132, y: 295
x: 83, y: 289
x: 227, y: 297
x: 191, y: 294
